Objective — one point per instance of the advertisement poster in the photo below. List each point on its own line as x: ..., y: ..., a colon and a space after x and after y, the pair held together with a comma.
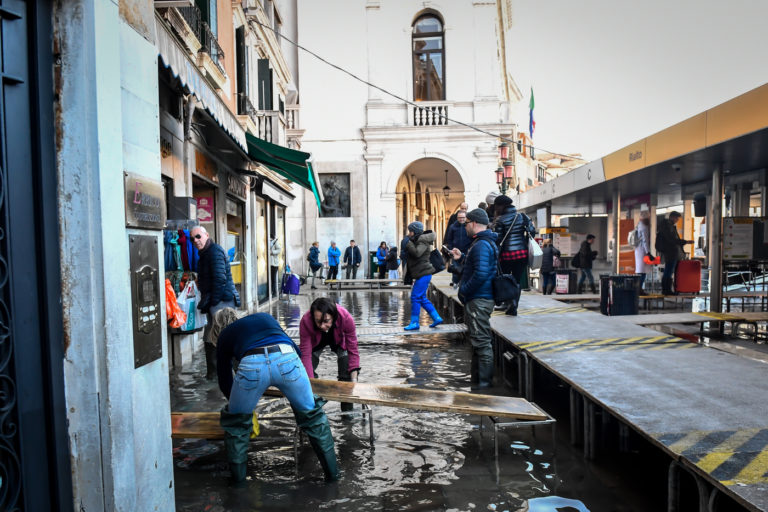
x: 737, y: 238
x: 205, y: 209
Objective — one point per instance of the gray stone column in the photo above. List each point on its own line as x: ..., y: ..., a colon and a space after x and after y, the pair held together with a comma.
x: 615, y: 217
x: 715, y: 238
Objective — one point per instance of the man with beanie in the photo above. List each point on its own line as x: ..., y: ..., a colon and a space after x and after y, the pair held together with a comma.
x: 489, y: 200
x: 478, y: 268
x: 513, y: 228
x: 418, y: 248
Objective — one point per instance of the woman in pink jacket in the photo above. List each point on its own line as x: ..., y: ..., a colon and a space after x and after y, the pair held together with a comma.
x: 327, y: 324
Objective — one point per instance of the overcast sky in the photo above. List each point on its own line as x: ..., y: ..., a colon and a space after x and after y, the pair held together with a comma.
x: 607, y: 73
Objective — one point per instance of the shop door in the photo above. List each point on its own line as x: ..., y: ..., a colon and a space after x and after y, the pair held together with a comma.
x: 234, y: 244
x: 262, y: 268
x: 35, y: 465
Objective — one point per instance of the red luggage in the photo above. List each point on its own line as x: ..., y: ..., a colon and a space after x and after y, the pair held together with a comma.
x: 688, y: 276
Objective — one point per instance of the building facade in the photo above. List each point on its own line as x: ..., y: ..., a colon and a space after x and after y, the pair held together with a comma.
x: 389, y: 160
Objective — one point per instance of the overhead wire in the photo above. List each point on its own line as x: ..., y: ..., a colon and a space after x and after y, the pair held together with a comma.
x: 406, y: 101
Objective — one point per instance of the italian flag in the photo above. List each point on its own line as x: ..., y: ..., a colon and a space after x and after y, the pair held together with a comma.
x: 531, y: 122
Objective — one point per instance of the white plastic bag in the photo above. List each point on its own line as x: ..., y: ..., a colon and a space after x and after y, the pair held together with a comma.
x: 188, y: 300
x: 535, y: 254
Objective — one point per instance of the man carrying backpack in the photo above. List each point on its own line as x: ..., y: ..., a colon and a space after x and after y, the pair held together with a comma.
x: 669, y: 243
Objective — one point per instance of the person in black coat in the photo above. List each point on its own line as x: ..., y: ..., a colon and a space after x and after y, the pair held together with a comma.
x: 513, y: 229
x: 457, y: 238
x: 586, y: 257
x: 547, y: 270
x: 670, y: 245
x: 217, y: 290
x: 352, y: 259
x: 407, y: 279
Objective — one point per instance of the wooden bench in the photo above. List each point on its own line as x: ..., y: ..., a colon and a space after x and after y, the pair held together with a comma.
x: 503, y: 411
x: 338, y: 283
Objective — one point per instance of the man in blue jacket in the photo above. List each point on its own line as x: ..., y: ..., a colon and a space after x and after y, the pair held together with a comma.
x: 478, y: 268
x: 352, y: 259
x: 217, y: 290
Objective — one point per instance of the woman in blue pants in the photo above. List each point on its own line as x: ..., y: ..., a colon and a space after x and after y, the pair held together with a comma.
x: 421, y: 270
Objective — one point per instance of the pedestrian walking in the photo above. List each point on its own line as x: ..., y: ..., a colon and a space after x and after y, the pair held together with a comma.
x: 513, y: 229
x: 381, y: 259
x: 352, y: 259
x: 586, y: 257
x: 670, y: 245
x: 549, y: 255
x: 313, y: 257
x: 418, y: 247
x: 327, y: 324
x: 217, y: 290
x: 458, y: 238
x: 393, y: 263
x: 642, y: 243
x: 334, y: 255
x: 478, y: 268
x: 265, y: 357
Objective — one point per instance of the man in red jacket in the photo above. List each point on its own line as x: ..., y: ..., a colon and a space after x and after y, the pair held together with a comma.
x: 327, y: 324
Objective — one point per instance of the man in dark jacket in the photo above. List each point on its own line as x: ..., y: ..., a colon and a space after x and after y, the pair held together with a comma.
x: 452, y: 219
x: 217, y: 291
x: 669, y: 243
x: 478, y: 268
x: 586, y: 256
x: 457, y: 238
x: 352, y: 259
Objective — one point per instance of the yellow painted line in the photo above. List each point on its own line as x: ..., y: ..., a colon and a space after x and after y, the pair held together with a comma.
x: 551, y: 344
x: 550, y: 311
x: 690, y: 439
x: 625, y: 343
x: 727, y: 317
x: 754, y: 472
x: 578, y: 345
x: 726, y: 449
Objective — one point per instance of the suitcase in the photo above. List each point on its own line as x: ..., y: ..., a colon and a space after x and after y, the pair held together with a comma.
x: 688, y: 276
x: 291, y: 284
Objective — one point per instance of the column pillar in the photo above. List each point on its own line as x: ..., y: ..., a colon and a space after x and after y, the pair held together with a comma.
x: 715, y: 239
x: 615, y: 217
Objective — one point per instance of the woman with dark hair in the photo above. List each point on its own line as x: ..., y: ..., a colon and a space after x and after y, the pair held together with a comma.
x: 381, y: 259
x: 327, y: 324
x: 513, y: 229
x: 266, y: 357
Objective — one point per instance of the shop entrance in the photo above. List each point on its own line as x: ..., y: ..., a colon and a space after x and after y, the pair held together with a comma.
x: 233, y: 243
x: 262, y: 263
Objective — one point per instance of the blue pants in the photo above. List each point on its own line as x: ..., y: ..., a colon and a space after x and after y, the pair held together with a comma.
x: 586, y: 273
x: 257, y: 372
x: 547, y: 278
x: 419, y: 296
x: 669, y: 268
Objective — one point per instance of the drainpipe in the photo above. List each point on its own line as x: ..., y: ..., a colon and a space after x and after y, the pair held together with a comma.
x: 715, y: 239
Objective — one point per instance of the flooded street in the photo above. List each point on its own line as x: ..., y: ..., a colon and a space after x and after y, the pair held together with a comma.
x: 421, y: 460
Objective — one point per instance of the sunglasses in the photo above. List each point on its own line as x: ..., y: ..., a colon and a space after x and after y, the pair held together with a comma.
x: 197, y: 237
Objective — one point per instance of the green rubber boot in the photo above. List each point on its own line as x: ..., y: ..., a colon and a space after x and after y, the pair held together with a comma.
x: 315, y: 424
x: 237, y: 436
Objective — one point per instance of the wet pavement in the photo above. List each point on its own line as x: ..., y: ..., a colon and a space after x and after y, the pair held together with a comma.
x: 421, y: 460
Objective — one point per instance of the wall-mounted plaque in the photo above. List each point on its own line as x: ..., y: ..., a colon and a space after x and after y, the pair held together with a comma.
x: 336, y: 201
x: 144, y: 202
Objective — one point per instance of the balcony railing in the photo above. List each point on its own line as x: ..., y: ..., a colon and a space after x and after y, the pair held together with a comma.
x: 292, y: 117
x: 429, y: 114
x: 194, y: 18
x: 271, y: 126
x: 246, y: 108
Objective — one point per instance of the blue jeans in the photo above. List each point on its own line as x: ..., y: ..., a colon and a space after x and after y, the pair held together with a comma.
x: 547, y: 278
x: 586, y: 273
x: 419, y: 296
x: 257, y: 372
x: 669, y: 268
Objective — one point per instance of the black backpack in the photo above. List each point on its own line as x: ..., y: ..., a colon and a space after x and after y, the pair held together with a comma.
x: 576, y: 260
x: 436, y: 260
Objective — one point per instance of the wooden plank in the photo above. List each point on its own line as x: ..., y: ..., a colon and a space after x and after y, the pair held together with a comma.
x: 663, y: 318
x: 577, y: 297
x: 198, y: 425
x: 293, y: 332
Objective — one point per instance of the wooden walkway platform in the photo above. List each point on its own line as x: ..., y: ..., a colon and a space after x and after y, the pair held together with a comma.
x: 370, y: 283
x: 425, y: 330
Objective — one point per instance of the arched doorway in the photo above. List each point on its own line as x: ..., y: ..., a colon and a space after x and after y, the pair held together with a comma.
x: 426, y: 192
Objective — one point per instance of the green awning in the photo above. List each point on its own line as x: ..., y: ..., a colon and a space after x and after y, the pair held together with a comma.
x: 289, y: 163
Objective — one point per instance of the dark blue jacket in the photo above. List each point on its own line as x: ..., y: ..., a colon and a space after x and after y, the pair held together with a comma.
x: 479, y: 268
x: 457, y: 237
x: 214, y: 278
x: 314, y: 258
x: 352, y: 257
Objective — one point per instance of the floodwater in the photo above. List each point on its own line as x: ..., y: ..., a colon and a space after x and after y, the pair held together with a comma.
x: 421, y: 460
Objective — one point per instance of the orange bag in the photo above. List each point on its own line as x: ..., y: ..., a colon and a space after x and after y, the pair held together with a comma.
x: 176, y: 317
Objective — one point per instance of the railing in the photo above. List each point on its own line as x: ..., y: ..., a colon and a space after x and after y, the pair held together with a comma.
x: 267, y: 123
x: 433, y: 114
x: 292, y: 117
x: 202, y: 31
x: 245, y: 107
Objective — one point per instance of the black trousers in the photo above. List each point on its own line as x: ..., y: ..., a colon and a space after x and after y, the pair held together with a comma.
x: 342, y: 361
x: 333, y: 272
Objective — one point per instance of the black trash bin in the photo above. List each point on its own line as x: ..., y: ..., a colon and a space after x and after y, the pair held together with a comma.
x: 573, y: 274
x: 620, y: 294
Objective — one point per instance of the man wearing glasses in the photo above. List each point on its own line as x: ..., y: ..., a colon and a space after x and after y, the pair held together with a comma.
x: 217, y: 290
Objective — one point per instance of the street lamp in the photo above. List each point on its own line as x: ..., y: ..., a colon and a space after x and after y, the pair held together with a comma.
x: 504, y: 176
x: 503, y: 151
x: 446, y: 188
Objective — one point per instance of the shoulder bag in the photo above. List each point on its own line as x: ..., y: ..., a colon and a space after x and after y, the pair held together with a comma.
x: 506, y: 289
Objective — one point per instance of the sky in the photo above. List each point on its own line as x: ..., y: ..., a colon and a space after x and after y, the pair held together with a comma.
x: 608, y: 73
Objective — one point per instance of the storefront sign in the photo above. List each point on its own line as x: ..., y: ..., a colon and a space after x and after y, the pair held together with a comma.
x: 274, y: 193
x: 237, y: 186
x: 206, y: 167
x: 205, y: 209
x: 144, y: 202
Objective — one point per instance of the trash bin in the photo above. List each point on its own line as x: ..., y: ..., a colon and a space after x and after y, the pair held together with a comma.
x: 620, y: 294
x: 373, y: 264
x: 565, y: 280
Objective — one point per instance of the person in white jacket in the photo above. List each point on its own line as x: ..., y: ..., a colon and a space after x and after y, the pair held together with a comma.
x: 643, y: 247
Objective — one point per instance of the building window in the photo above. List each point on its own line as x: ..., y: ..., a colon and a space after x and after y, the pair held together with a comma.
x: 428, y: 59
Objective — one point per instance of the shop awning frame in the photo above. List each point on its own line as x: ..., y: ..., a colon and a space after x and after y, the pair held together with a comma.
x: 289, y: 163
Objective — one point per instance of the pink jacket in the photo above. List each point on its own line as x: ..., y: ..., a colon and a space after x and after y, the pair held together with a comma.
x: 344, y: 332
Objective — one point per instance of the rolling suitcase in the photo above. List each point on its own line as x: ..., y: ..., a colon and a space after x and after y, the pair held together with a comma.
x: 688, y: 276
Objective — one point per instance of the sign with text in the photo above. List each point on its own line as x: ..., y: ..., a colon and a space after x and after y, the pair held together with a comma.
x: 144, y: 202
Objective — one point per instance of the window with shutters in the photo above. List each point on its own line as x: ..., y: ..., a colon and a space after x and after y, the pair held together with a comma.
x: 265, y: 85
x: 428, y: 54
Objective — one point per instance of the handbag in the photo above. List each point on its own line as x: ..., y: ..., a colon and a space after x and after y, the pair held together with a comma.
x: 506, y: 289
x: 556, y: 261
x: 436, y: 260
x: 535, y: 254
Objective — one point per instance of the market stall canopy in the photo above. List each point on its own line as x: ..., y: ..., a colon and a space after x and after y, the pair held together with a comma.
x: 289, y: 163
